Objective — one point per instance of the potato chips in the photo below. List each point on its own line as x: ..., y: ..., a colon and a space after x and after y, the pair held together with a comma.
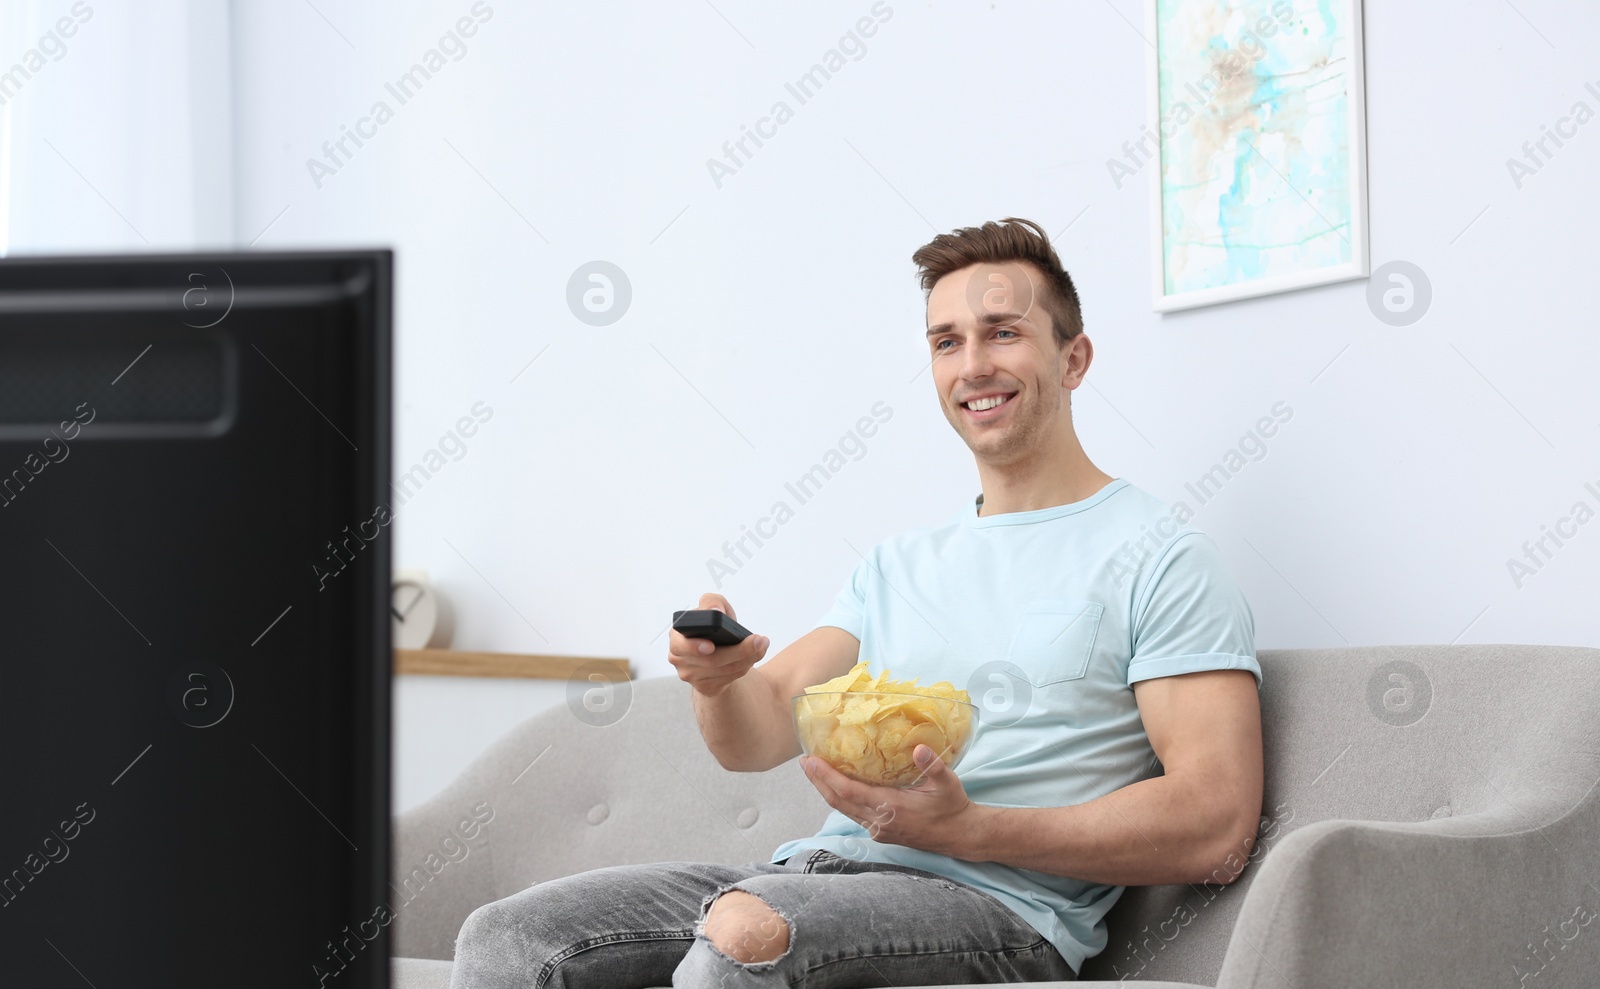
x: 871, y: 737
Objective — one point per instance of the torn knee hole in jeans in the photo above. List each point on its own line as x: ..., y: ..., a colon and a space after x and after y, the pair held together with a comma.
x: 764, y: 936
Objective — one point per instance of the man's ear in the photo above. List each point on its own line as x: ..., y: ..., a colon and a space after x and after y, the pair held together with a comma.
x: 1076, y: 357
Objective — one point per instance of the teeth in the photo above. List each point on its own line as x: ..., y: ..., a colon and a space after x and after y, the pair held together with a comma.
x: 978, y: 405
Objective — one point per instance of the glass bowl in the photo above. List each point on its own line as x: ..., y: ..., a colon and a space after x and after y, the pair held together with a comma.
x: 870, y: 735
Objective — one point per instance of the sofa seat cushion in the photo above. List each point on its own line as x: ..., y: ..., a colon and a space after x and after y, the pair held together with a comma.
x: 419, y: 973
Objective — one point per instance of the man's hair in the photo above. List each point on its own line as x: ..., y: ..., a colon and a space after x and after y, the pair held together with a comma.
x: 1012, y: 239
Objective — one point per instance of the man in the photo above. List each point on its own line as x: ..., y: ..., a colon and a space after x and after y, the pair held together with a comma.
x: 1096, y: 633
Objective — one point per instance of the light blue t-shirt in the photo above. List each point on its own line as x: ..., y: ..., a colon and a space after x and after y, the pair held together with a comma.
x: 1077, y: 602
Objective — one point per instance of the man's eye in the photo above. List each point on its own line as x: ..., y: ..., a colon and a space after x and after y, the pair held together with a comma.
x: 940, y: 344
x: 1012, y: 332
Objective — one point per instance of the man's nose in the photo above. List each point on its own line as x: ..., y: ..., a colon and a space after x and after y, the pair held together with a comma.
x: 976, y: 362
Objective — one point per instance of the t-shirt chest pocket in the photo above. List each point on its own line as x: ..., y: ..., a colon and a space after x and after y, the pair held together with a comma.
x: 1054, y: 639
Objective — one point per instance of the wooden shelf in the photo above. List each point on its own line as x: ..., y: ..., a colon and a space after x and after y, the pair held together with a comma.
x: 455, y: 662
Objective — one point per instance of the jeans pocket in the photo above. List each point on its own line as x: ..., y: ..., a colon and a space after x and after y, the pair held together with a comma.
x: 1054, y: 639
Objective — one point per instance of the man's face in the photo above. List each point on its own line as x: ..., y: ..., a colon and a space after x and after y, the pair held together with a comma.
x: 989, y: 337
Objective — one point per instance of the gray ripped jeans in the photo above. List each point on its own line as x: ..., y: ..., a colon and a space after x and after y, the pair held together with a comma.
x: 852, y: 924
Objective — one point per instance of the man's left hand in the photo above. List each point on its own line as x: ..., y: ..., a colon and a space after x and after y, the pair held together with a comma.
x: 935, y: 815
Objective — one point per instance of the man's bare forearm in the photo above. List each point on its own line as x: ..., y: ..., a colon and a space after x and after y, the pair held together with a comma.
x: 744, y: 725
x: 1158, y: 831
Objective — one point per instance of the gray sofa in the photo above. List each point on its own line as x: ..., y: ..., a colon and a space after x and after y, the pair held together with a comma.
x: 1430, y: 819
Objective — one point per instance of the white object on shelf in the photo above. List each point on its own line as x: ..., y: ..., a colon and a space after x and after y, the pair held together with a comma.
x: 420, y: 616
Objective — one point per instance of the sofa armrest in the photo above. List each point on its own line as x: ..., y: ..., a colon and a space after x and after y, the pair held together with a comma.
x: 1478, y: 900
x: 443, y: 869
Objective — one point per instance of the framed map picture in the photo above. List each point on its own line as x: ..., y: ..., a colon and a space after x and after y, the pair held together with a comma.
x: 1256, y: 108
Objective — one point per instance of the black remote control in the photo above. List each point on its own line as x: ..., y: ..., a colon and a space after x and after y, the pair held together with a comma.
x: 709, y: 624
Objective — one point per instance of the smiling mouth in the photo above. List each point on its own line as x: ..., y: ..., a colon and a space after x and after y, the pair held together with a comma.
x: 989, y: 407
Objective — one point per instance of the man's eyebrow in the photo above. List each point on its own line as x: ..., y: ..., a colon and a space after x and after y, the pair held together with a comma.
x: 988, y: 319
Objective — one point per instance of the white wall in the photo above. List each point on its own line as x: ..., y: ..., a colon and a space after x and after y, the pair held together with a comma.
x: 116, y: 136
x: 770, y: 314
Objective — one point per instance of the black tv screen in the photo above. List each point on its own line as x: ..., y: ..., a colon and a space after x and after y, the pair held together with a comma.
x: 195, y: 662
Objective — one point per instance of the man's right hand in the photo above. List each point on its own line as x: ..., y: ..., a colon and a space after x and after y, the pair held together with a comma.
x: 707, y: 667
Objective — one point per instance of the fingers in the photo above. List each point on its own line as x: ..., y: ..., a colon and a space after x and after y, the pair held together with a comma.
x: 681, y: 645
x: 701, y: 654
x: 755, y: 646
x: 706, y: 665
x: 708, y: 683
x: 710, y: 601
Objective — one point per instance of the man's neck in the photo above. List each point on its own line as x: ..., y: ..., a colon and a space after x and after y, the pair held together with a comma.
x: 1043, y: 486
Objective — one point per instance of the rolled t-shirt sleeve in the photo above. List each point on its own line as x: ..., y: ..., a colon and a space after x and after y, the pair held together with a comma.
x: 850, y: 604
x: 1191, y: 615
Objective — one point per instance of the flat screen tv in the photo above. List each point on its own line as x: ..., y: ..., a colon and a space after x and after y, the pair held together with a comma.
x: 195, y: 654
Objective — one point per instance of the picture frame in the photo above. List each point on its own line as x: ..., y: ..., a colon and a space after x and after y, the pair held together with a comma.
x: 1290, y: 123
